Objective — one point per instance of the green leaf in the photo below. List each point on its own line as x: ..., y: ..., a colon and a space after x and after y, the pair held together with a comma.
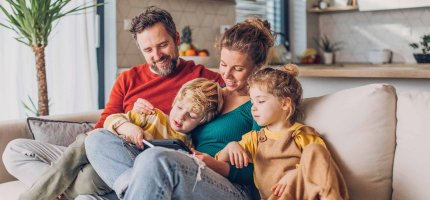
x: 33, y: 19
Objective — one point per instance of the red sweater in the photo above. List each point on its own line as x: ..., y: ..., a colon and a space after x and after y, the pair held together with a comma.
x: 140, y: 82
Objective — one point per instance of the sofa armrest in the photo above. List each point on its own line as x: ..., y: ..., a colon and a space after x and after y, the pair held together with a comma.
x: 13, y: 129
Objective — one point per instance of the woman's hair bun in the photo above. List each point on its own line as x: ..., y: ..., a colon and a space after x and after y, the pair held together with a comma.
x: 264, y: 27
x: 291, y: 69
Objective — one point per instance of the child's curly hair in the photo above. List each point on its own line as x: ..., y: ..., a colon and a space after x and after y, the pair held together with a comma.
x: 281, y: 83
x: 206, y: 97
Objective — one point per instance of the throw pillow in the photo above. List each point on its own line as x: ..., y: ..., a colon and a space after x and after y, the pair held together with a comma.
x: 56, y: 132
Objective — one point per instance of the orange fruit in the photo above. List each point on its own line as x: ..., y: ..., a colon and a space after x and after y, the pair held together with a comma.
x: 203, y: 53
x: 190, y: 52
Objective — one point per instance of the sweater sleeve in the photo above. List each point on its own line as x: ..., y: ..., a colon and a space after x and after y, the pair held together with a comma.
x: 116, y: 100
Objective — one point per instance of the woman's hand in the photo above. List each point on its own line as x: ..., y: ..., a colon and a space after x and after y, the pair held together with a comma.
x: 237, y: 155
x: 133, y: 133
x: 218, y: 166
x: 142, y: 106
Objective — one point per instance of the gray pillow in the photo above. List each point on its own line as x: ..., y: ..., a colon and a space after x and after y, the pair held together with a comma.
x: 56, y: 132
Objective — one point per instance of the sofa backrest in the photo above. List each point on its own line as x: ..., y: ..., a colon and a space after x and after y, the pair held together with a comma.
x: 359, y: 125
x: 10, y: 130
x: 411, y: 174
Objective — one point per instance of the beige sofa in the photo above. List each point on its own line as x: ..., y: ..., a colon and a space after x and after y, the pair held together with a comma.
x: 378, y: 137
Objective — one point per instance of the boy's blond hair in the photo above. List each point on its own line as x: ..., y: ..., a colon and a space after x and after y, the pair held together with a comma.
x: 206, y: 97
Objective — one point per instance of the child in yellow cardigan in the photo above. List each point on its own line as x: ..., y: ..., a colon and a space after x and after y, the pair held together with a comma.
x: 198, y: 101
x: 291, y: 160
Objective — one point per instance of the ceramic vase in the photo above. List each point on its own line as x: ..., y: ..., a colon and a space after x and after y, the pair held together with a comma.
x: 328, y: 58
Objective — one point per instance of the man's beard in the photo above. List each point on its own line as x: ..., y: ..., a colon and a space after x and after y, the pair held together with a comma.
x: 167, y: 69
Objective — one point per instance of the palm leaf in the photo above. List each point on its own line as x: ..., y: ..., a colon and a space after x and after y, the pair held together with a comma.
x: 33, y: 19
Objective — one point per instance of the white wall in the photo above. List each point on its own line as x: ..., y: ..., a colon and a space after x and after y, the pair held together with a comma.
x: 362, y: 31
x: 320, y: 86
x: 110, y: 46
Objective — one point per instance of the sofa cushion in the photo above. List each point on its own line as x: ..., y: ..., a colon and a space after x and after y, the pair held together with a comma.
x: 56, y: 132
x: 411, y: 175
x: 11, y: 190
x: 358, y: 124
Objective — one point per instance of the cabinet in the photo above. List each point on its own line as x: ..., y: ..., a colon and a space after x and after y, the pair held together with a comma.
x: 335, y: 7
x: 370, y: 5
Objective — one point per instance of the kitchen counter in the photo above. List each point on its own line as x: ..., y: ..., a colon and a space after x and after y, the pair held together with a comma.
x: 414, y: 71
x: 366, y: 70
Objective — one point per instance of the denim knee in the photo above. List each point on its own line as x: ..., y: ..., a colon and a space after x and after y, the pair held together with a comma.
x: 96, y: 139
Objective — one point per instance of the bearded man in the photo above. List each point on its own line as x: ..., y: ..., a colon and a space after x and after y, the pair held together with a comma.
x: 157, y: 81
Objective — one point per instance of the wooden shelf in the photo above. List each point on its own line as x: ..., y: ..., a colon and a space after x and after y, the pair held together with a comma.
x: 366, y: 71
x: 334, y: 9
x: 411, y: 71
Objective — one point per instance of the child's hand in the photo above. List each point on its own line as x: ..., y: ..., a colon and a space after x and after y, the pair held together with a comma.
x: 238, y: 157
x: 202, y: 156
x: 142, y: 106
x: 279, y: 187
x: 133, y: 133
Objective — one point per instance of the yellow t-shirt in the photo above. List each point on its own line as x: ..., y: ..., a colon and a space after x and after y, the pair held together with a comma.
x: 249, y: 141
x: 156, y: 125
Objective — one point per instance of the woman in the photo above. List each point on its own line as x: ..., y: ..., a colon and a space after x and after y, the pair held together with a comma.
x: 158, y: 173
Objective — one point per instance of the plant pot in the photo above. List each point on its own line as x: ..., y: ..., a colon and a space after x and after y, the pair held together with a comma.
x: 422, y: 58
x: 328, y: 58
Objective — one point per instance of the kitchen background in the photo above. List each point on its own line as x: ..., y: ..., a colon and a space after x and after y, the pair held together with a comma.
x: 359, y: 31
x: 204, y: 17
x: 364, y: 31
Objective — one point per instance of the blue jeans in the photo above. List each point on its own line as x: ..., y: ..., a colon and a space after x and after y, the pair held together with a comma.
x: 156, y: 173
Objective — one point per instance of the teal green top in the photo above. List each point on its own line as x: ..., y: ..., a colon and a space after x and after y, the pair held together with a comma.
x: 210, y: 138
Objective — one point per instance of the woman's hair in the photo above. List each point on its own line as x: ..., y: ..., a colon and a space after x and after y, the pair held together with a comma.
x: 281, y: 83
x: 151, y: 16
x: 206, y: 97
x: 252, y: 37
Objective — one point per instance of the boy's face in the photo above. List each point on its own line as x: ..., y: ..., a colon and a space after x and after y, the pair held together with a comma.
x: 159, y: 48
x: 182, y: 118
x: 267, y: 110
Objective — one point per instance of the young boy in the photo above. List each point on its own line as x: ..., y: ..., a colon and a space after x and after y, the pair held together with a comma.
x: 198, y: 101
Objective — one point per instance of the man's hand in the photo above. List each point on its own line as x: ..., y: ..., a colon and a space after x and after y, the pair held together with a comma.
x: 237, y: 155
x: 133, y: 133
x: 142, y: 106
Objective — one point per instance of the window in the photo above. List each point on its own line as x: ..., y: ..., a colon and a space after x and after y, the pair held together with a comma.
x: 274, y: 11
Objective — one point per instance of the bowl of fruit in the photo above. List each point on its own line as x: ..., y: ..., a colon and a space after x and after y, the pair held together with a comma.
x: 188, y: 51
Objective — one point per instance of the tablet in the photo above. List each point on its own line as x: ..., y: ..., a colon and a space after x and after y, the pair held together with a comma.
x: 171, y: 144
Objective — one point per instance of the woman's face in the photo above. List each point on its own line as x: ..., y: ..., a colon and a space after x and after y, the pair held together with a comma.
x: 235, y: 67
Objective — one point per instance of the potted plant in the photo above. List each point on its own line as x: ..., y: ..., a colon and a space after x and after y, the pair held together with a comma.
x: 32, y: 20
x: 328, y: 48
x: 424, y: 44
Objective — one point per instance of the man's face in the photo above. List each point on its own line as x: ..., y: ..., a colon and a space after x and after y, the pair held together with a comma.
x: 159, y: 49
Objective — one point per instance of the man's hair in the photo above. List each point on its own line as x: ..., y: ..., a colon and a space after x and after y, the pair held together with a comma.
x: 151, y: 16
x: 281, y: 83
x: 206, y: 97
x: 252, y: 37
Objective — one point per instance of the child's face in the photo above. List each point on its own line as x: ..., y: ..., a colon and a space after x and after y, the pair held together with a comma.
x: 182, y: 118
x: 267, y: 110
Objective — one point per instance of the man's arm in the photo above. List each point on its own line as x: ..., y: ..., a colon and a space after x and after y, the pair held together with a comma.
x: 115, y: 103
